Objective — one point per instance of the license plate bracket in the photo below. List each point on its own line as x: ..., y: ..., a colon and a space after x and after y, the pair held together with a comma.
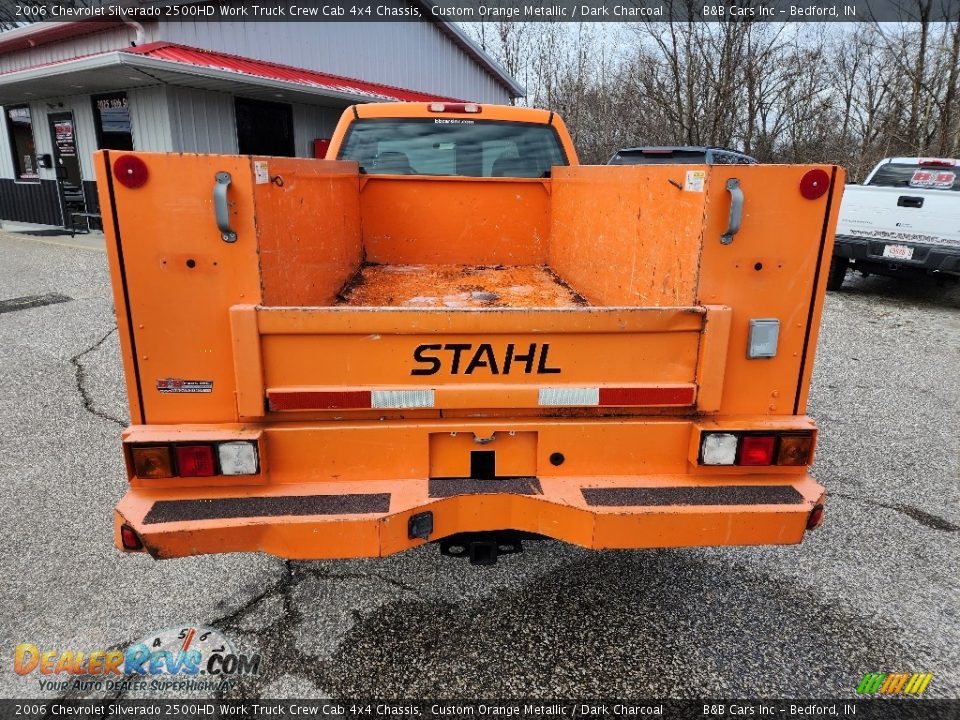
x: 898, y: 252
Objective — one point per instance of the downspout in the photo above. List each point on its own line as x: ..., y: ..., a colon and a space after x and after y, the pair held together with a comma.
x: 141, y: 33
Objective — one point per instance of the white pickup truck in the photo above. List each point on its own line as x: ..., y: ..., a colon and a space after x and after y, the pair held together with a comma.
x: 904, y: 219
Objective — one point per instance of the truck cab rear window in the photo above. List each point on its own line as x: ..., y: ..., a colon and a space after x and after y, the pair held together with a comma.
x: 453, y: 147
x: 914, y: 175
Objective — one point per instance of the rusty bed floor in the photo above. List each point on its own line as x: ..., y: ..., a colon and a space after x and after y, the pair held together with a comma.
x: 458, y: 286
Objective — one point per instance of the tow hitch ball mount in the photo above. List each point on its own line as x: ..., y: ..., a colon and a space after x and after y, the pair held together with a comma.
x: 482, y: 548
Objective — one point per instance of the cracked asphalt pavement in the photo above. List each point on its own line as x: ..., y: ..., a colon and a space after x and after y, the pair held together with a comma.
x: 875, y: 589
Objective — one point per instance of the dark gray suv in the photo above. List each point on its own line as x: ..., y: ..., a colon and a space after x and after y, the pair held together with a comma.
x: 687, y: 154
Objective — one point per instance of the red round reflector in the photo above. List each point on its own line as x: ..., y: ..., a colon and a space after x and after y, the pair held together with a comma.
x: 130, y: 171
x: 129, y: 538
x: 814, y: 184
x: 756, y: 450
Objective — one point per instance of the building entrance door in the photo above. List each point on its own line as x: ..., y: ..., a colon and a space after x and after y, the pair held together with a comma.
x: 67, y: 164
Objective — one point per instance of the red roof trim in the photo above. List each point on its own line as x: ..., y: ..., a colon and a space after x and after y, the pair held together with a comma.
x: 245, y: 67
x: 196, y: 57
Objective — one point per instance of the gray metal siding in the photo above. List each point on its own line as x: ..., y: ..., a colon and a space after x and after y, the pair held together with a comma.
x: 202, y: 121
x: 417, y: 56
x: 150, y: 119
x: 412, y: 55
x: 311, y: 122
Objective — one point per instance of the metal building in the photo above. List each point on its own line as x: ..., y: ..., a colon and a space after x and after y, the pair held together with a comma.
x: 270, y: 88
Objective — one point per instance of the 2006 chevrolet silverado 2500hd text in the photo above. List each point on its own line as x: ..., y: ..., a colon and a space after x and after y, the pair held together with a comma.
x: 450, y: 331
x: 905, y: 219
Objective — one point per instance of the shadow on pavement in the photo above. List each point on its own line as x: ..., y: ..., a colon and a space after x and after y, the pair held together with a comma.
x: 621, y: 624
x: 919, y: 292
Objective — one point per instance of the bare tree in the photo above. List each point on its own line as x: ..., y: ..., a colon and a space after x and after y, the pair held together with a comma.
x: 849, y: 94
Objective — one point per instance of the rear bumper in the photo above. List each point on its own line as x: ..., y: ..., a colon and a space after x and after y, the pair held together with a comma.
x: 373, y: 518
x: 928, y: 258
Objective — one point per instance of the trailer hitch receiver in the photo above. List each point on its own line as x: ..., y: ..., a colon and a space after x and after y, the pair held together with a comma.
x: 483, y: 548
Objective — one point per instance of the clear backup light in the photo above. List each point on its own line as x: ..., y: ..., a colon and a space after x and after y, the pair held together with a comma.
x: 718, y: 449
x: 238, y: 458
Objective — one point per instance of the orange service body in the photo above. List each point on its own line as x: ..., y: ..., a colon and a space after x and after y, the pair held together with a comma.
x: 352, y: 357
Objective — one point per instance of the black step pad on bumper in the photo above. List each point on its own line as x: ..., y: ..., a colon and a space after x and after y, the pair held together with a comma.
x: 448, y: 487
x: 165, y: 511
x: 719, y: 495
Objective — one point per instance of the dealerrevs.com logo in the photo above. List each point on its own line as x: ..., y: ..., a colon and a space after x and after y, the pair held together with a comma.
x: 894, y: 684
x: 178, y: 659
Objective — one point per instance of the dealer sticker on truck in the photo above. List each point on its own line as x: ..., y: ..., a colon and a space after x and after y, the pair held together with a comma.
x: 176, y: 385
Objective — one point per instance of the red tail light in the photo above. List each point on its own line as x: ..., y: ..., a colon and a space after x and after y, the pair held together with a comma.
x: 751, y: 449
x: 816, y: 515
x: 756, y: 450
x: 196, y: 461
x: 129, y: 538
x: 937, y: 162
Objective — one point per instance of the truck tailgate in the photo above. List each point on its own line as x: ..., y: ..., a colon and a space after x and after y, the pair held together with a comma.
x: 900, y: 214
x: 303, y: 360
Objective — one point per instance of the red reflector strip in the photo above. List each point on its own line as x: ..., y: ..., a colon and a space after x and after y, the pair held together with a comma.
x: 318, y: 400
x: 647, y: 396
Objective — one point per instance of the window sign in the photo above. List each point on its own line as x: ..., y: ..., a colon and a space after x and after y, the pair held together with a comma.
x: 20, y: 131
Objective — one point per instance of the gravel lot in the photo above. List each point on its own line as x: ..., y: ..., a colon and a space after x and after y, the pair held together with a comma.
x: 875, y: 589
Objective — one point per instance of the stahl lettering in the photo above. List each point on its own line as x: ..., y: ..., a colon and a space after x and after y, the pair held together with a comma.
x: 434, y: 358
x: 457, y: 349
x: 542, y: 368
x: 434, y: 362
x: 528, y: 358
x: 479, y: 362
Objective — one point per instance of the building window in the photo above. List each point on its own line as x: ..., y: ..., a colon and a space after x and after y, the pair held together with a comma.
x: 21, y: 141
x: 112, y: 116
x: 264, y: 128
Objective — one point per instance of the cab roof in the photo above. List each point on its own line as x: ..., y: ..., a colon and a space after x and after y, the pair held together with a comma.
x: 509, y: 113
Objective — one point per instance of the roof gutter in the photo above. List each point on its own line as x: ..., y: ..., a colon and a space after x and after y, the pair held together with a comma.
x: 141, y: 36
x: 90, y: 62
x: 142, y: 62
x: 41, y: 33
x: 149, y: 65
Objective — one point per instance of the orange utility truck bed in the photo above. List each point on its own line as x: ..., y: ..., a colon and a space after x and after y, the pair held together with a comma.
x: 450, y: 331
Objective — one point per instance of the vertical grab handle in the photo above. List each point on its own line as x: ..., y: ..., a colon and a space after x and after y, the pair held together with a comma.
x: 736, y: 211
x: 221, y: 208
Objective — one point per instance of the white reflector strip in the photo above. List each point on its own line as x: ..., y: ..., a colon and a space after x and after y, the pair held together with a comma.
x: 570, y: 396
x: 402, y: 399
